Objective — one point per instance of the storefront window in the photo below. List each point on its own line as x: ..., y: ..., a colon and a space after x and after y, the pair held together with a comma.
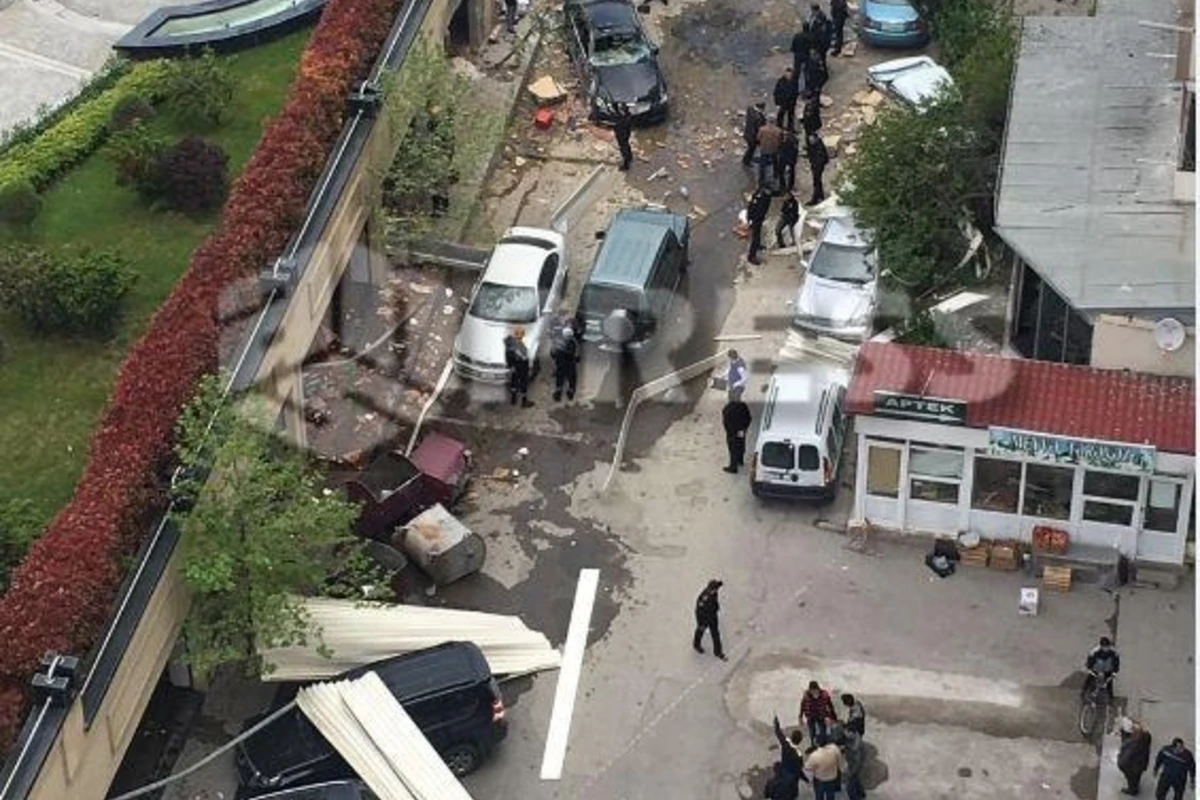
x: 1162, y: 506
x: 1108, y: 513
x: 883, y: 471
x: 1048, y: 491
x: 1111, y: 484
x: 997, y: 485
x: 934, y: 474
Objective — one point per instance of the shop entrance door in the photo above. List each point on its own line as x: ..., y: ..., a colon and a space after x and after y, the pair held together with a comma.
x: 1164, y: 528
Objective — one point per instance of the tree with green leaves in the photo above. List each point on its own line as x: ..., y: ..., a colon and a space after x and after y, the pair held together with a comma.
x: 918, y: 178
x: 255, y: 535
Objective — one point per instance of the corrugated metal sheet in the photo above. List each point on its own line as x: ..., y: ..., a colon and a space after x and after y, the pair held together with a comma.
x: 369, y: 728
x: 1039, y: 396
x: 360, y: 633
x: 1087, y: 184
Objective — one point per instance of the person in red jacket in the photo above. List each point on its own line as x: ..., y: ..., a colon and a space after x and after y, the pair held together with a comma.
x: 816, y: 710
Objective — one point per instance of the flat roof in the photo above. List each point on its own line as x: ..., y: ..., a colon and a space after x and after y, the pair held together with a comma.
x: 1037, y: 396
x: 1087, y: 181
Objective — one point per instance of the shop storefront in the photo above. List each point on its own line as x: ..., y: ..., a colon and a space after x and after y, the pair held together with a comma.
x: 950, y: 442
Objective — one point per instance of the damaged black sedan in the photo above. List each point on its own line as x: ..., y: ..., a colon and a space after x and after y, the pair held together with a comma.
x: 617, y: 61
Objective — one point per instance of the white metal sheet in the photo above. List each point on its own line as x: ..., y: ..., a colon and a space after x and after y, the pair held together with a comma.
x: 355, y: 634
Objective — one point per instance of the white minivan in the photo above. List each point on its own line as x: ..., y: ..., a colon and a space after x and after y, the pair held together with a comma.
x: 798, y: 448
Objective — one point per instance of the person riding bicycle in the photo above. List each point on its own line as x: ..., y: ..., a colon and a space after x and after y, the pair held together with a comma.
x: 1103, y: 663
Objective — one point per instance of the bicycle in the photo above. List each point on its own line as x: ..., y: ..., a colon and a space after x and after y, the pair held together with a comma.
x: 1090, y: 703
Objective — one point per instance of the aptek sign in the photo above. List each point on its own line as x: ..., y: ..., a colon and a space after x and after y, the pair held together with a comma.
x: 923, y: 409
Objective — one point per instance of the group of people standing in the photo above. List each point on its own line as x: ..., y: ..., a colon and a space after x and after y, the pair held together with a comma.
x: 833, y: 759
x: 1173, y: 766
x: 565, y: 352
x: 775, y: 143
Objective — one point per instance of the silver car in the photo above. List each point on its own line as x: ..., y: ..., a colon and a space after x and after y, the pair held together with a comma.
x: 838, y: 292
x: 915, y: 81
x: 521, y: 287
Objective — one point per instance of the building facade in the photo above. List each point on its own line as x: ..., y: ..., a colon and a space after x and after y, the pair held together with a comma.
x: 949, y: 442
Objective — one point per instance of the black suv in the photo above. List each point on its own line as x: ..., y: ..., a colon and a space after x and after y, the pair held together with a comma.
x: 448, y: 691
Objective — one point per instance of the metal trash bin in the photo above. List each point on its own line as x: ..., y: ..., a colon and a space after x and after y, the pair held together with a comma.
x: 441, y: 546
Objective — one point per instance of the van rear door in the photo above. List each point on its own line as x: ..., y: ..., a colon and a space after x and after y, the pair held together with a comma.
x: 776, y: 462
x: 809, y: 469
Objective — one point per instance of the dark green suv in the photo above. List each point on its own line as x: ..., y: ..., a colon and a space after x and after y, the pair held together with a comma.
x: 633, y: 280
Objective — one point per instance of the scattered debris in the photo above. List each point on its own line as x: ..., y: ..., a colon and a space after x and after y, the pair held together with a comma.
x: 661, y: 172
x: 547, y: 91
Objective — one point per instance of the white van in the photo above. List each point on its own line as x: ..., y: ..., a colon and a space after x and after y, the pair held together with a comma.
x: 798, y: 449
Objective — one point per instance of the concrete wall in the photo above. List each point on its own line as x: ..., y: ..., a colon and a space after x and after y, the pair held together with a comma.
x: 83, y: 762
x: 1128, y: 343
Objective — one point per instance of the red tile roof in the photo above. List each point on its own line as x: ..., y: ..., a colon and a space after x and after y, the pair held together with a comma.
x: 1038, y: 396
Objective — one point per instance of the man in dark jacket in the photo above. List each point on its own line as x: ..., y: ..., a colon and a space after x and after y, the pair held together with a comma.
x: 756, y: 117
x: 822, y: 31
x: 786, y: 93
x: 756, y: 214
x: 736, y: 419
x: 839, y: 12
x: 1103, y: 660
x: 818, y: 157
x: 708, y: 606
x: 802, y: 45
x: 781, y: 785
x: 789, y: 154
x: 623, y: 130
x: 565, y: 354
x: 789, y: 215
x: 1134, y: 756
x: 516, y: 358
x: 791, y: 755
x: 1173, y: 767
x: 810, y: 117
x: 817, y: 76
x: 852, y: 750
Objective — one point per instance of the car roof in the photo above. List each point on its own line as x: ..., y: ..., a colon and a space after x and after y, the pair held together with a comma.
x: 413, y: 675
x: 515, y: 264
x: 916, y: 80
x: 632, y: 245
x: 609, y: 14
x: 844, y: 232
x: 794, y: 397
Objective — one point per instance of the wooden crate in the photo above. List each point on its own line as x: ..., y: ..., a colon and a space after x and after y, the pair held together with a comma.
x: 1056, y: 579
x: 976, y: 556
x: 1004, y: 557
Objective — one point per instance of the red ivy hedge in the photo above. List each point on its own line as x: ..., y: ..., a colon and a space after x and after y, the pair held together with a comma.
x: 61, y: 595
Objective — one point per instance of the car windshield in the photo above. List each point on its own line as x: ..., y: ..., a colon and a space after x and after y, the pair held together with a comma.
x: 616, y: 48
x: 837, y: 262
x: 603, y: 300
x: 499, y: 303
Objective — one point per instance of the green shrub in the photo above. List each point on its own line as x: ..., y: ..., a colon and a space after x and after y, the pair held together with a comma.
x: 64, y: 293
x: 135, y: 152
x: 19, y: 205
x: 192, y: 176
x: 199, y: 90
x: 128, y: 112
x: 20, y: 524
x: 78, y: 134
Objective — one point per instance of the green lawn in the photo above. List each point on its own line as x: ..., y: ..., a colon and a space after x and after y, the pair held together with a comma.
x: 52, y: 390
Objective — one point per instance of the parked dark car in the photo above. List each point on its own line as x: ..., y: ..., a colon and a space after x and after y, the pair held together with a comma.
x: 326, y: 790
x: 615, y: 59
x: 632, y: 282
x: 394, y: 488
x: 448, y: 691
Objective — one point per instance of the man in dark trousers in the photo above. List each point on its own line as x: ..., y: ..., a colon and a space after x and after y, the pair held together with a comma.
x: 822, y: 32
x: 756, y: 214
x: 810, y: 117
x: 789, y: 154
x: 708, y: 606
x: 789, y: 215
x: 802, y: 45
x: 1134, y: 756
x: 736, y: 419
x: 839, y: 12
x: 1173, y: 767
x: 623, y: 129
x: 510, y: 15
x: 516, y: 357
x: 786, y: 93
x: 791, y: 755
x: 565, y: 354
x: 756, y: 117
x: 770, y: 139
x: 818, y: 158
x: 817, y: 74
